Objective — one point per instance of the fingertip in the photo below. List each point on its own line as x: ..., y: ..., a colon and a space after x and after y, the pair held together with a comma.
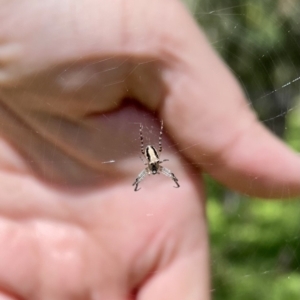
x: 259, y: 164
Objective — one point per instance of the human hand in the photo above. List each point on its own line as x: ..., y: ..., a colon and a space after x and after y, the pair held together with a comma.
x: 72, y: 227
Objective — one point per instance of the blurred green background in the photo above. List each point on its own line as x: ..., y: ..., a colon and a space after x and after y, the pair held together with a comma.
x: 256, y: 243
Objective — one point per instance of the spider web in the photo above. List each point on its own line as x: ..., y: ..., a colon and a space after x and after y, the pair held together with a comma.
x: 256, y: 244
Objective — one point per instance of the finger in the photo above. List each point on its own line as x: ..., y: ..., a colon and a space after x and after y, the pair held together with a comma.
x: 207, y: 113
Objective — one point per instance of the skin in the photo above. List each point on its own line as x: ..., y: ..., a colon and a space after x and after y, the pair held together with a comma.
x: 71, y: 225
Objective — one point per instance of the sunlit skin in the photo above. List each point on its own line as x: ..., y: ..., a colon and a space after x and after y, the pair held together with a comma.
x: 72, y: 226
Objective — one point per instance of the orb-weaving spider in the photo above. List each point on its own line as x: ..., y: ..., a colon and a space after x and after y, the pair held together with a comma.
x: 153, y: 164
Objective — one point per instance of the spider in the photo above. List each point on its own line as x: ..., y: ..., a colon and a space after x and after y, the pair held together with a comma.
x: 153, y: 164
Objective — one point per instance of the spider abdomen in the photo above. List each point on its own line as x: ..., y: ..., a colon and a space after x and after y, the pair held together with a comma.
x: 151, y: 155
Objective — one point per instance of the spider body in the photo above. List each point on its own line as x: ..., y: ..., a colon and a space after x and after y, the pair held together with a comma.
x: 153, y: 164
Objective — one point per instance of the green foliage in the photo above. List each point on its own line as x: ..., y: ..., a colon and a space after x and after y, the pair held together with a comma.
x: 259, y: 40
x: 255, y: 248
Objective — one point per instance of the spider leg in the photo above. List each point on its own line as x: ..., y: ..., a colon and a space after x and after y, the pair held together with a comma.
x: 168, y: 173
x: 161, y: 161
x: 142, y: 139
x: 160, y: 136
x: 140, y: 177
x: 145, y: 163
